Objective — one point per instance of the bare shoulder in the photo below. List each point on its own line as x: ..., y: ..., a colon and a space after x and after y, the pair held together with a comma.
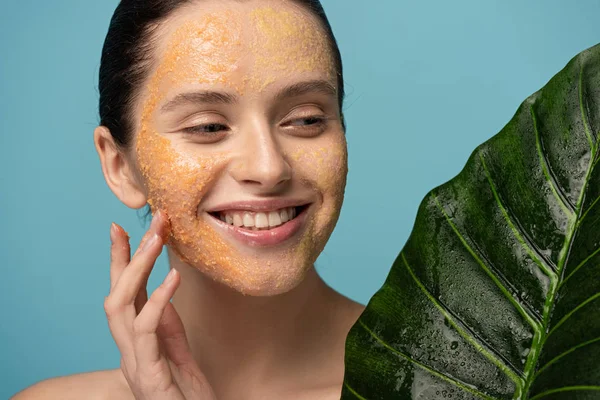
x: 97, y: 385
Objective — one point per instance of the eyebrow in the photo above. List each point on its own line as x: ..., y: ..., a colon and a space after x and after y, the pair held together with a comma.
x: 212, y: 97
x: 208, y: 97
x: 302, y: 88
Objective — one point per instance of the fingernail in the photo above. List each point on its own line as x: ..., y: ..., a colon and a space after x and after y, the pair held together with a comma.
x: 153, y: 239
x: 157, y: 216
x: 170, y: 276
x: 113, y: 232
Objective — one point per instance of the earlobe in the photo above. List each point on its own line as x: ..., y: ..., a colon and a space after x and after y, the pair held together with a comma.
x: 118, y: 173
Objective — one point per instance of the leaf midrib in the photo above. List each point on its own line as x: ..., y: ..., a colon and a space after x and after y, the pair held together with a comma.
x: 565, y: 250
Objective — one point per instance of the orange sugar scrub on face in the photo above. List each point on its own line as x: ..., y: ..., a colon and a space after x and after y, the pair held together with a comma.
x: 328, y: 170
x: 286, y: 42
x: 244, y: 52
x: 203, y: 51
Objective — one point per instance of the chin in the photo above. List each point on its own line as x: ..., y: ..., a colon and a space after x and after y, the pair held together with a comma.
x: 253, y: 275
x: 273, y: 288
x: 251, y: 270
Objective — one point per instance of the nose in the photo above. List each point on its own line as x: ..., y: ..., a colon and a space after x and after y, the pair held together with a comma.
x: 262, y: 162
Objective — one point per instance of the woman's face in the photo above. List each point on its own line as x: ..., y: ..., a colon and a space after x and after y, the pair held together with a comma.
x: 238, y: 128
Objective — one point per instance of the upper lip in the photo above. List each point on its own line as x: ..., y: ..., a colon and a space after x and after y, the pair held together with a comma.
x: 259, y: 205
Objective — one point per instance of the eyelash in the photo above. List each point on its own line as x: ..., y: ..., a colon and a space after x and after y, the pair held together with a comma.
x: 198, y: 129
x: 317, y: 121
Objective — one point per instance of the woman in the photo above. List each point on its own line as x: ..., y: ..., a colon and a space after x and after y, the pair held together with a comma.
x: 225, y: 117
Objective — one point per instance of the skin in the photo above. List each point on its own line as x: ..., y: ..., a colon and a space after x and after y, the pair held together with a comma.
x: 250, y: 322
x: 248, y: 53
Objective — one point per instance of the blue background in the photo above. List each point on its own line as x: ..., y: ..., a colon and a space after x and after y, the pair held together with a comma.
x: 427, y: 82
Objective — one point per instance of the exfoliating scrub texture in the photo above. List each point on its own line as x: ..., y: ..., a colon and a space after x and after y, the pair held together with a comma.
x: 246, y: 52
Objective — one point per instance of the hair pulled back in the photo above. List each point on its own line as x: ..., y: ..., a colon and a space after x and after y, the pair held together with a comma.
x: 127, y: 57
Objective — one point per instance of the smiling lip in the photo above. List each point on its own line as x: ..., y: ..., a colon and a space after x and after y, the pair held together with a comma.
x: 257, y: 206
x: 267, y: 237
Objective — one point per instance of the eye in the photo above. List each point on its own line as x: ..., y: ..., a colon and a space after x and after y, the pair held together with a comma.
x: 206, y: 133
x: 206, y: 129
x: 306, y: 126
x: 313, y: 120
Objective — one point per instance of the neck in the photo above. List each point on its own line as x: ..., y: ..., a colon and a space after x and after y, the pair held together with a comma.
x: 242, y: 338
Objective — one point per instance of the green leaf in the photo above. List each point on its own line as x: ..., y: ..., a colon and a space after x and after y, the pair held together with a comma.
x: 496, y: 294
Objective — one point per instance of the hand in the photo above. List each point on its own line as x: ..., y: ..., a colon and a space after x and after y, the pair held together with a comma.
x: 155, y: 355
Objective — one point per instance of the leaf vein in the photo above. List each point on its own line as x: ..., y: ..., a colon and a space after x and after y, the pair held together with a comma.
x: 573, y: 311
x: 565, y: 389
x: 423, y: 366
x: 597, y: 159
x: 577, y: 268
x: 519, y: 307
x: 504, y: 366
x: 584, y: 117
x: 524, y: 240
x: 572, y: 349
x: 354, y: 392
x: 556, y: 189
x: 589, y: 208
x: 564, y: 252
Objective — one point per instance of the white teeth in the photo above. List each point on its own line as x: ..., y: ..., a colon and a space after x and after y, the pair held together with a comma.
x: 259, y: 220
x: 274, y: 218
x: 237, y: 220
x: 248, y: 220
x: 284, y: 215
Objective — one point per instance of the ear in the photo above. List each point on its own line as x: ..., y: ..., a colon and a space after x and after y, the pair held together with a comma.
x: 118, y: 173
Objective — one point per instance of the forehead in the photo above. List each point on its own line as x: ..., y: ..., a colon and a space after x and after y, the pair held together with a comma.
x: 243, y: 45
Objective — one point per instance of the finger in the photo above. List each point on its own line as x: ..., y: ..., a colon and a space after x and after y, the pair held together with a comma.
x: 118, y: 305
x: 142, y: 297
x: 138, y: 270
x: 163, y: 229
x: 119, y: 322
x: 145, y: 341
x: 120, y: 256
x: 119, y: 253
x: 171, y: 334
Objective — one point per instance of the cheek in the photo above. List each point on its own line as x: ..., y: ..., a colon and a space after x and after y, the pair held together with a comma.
x: 332, y: 177
x: 176, y: 184
x: 174, y: 181
x: 325, y: 168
